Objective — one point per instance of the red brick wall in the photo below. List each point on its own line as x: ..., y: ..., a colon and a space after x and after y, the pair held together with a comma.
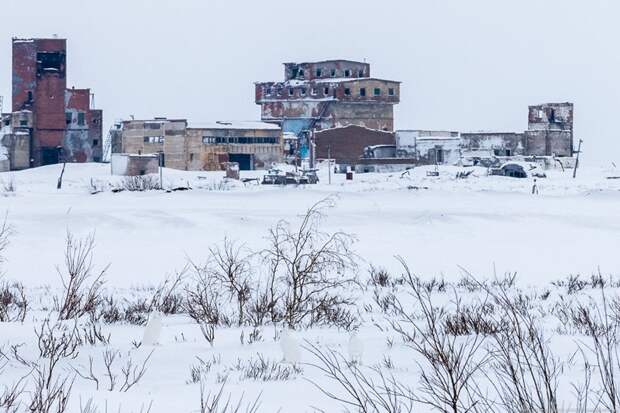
x: 347, y: 144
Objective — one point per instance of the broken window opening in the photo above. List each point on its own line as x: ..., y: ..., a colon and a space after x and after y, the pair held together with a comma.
x: 333, y: 73
x: 347, y: 91
x: 29, y: 96
x: 347, y: 73
x: 326, y: 91
x: 50, y: 62
x: 68, y: 118
x: 363, y: 91
x: 291, y: 92
x: 95, y: 142
x: 360, y: 73
x: 319, y: 72
x: 153, y: 139
x: 303, y: 91
x: 391, y: 91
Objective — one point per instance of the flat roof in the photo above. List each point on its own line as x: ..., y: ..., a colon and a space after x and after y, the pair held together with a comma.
x: 326, y: 61
x: 239, y: 125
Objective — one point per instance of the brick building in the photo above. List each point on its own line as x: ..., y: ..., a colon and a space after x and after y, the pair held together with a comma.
x: 254, y: 145
x: 64, y: 126
x: 346, y: 145
x: 327, y: 94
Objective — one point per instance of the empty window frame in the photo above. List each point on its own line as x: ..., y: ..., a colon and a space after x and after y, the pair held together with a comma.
x: 318, y: 72
x: 23, y: 122
x: 363, y: 91
x: 291, y: 92
x: 303, y: 91
x: 268, y: 91
x: 347, y: 91
x: 333, y: 73
x: 153, y: 139
x: 68, y: 118
x: 360, y: 73
x: 80, y: 119
x: 347, y: 73
x: 326, y: 91
x: 391, y: 91
x: 95, y: 142
x: 377, y: 91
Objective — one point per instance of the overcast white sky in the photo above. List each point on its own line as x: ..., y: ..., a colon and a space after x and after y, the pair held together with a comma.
x: 465, y: 64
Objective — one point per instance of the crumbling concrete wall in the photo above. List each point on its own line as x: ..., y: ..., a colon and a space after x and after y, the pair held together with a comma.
x: 325, y: 95
x: 495, y: 143
x: 550, y: 130
x: 325, y: 69
x: 208, y: 148
x: 17, y: 146
x: 198, y: 149
x: 124, y: 164
x: 83, y: 135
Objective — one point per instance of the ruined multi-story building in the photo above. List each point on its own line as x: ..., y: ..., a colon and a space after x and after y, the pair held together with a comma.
x: 327, y: 94
x: 549, y: 133
x: 201, y: 147
x: 62, y: 125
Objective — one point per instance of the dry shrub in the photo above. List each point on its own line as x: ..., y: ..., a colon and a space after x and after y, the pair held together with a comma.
x: 81, y: 285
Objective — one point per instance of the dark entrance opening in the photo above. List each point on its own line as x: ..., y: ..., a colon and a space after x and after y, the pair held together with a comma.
x: 49, y: 156
x: 245, y: 160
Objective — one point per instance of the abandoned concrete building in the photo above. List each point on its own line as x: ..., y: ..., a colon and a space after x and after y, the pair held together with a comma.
x: 429, y: 147
x: 49, y: 122
x: 549, y: 134
x: 327, y: 94
x: 202, y: 147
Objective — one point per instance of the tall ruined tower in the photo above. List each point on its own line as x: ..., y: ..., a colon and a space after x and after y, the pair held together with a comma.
x: 328, y: 94
x: 64, y: 127
x: 550, y: 129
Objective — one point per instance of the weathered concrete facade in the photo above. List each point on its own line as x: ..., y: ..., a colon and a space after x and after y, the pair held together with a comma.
x: 429, y: 147
x: 550, y: 130
x: 550, y: 133
x: 325, y: 95
x: 125, y: 164
x: 251, y: 144
x: 495, y: 143
x: 65, y: 127
x: 15, y: 137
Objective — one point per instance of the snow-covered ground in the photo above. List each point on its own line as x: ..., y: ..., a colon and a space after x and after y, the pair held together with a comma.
x: 441, y: 226
x: 483, y: 224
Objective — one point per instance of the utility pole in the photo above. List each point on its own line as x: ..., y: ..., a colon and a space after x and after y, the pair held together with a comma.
x: 577, y: 160
x: 161, y: 167
x: 329, y: 164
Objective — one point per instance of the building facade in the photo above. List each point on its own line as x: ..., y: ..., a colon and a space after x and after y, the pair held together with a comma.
x: 549, y: 134
x: 327, y: 94
x: 64, y: 126
x: 254, y: 145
